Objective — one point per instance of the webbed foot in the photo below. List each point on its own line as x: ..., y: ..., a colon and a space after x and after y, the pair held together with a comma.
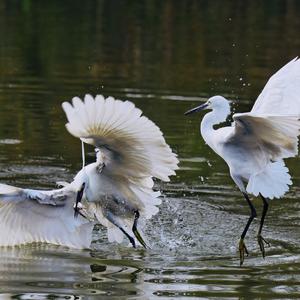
x: 261, y: 242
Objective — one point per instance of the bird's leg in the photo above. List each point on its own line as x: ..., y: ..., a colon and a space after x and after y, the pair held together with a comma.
x: 131, y: 239
x: 135, y: 231
x: 242, y: 246
x: 260, y: 239
x: 112, y: 219
x: 78, y: 200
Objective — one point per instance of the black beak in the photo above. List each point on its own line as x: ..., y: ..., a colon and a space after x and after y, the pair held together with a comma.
x: 196, y: 109
x: 78, y: 200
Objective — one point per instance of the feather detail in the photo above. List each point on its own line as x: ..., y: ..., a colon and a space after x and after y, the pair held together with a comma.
x: 277, y: 135
x: 28, y: 216
x: 132, y: 144
x: 272, y: 182
x: 281, y: 94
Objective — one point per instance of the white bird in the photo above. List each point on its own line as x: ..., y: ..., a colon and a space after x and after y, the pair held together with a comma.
x: 115, y: 190
x: 257, y: 142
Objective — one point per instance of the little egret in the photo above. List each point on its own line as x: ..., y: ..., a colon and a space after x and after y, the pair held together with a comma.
x: 256, y: 143
x: 115, y: 190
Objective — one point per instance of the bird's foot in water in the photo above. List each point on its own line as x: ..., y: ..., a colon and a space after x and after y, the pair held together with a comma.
x: 139, y: 238
x: 135, y: 230
x: 243, y: 250
x: 261, y: 242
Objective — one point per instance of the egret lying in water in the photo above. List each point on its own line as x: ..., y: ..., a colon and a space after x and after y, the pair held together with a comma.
x: 115, y: 190
x: 255, y: 145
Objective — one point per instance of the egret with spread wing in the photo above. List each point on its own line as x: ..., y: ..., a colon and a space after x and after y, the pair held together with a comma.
x: 257, y: 142
x: 130, y: 151
x: 115, y: 190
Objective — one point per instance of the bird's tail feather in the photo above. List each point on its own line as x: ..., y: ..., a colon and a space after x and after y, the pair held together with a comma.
x: 272, y: 182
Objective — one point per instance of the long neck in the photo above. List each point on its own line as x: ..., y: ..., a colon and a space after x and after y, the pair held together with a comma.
x: 212, y: 118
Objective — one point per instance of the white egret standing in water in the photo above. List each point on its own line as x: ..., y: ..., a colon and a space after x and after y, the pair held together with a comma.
x: 255, y: 145
x: 115, y: 190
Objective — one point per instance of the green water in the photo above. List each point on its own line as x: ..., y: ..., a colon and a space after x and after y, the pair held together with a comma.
x: 166, y: 57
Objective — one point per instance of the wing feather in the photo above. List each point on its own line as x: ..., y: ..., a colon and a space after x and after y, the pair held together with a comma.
x: 132, y: 144
x: 28, y: 216
x: 276, y: 135
x: 281, y: 94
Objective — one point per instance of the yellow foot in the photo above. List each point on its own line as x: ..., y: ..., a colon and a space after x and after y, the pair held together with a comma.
x: 243, y: 250
x: 261, y: 242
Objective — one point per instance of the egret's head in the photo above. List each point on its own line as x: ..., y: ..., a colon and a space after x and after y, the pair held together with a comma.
x: 215, y: 102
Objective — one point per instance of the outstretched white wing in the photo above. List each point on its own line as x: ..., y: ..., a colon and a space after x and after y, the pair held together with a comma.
x: 133, y: 146
x: 274, y: 135
x: 268, y: 139
x: 281, y: 95
x: 28, y: 216
x: 133, y: 150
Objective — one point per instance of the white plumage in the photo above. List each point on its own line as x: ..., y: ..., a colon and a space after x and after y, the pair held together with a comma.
x: 115, y: 190
x: 28, y: 216
x: 132, y: 150
x: 131, y: 144
x: 280, y: 96
x: 255, y: 145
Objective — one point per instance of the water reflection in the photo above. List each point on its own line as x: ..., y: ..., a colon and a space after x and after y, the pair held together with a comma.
x: 49, y: 270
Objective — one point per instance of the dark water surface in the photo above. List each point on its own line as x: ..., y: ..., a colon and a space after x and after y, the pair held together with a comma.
x: 166, y: 56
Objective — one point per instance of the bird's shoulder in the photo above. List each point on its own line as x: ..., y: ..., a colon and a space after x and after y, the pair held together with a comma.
x: 223, y: 134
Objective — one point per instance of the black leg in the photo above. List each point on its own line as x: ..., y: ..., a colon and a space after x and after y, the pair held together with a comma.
x: 131, y: 239
x: 135, y: 231
x: 252, y: 216
x: 260, y: 239
x: 78, y: 200
x: 242, y: 246
x: 110, y: 217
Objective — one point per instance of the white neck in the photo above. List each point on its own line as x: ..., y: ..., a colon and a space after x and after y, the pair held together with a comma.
x: 216, y: 116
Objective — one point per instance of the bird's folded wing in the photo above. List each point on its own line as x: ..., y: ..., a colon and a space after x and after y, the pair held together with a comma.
x: 131, y: 143
x: 275, y: 135
x: 281, y: 94
x: 28, y: 216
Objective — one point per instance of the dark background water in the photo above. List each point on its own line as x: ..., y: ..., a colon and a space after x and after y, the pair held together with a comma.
x: 165, y: 56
